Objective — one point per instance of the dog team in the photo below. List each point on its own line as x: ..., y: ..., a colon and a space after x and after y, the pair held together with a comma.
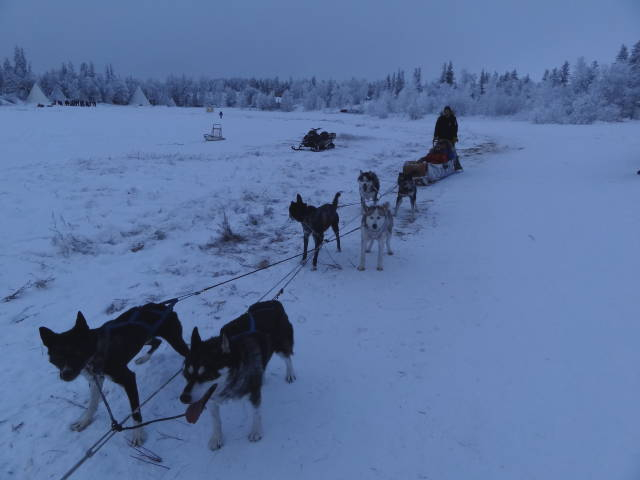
x: 376, y: 224
x: 225, y: 367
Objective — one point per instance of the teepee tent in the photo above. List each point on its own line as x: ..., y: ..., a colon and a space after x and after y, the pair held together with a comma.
x: 37, y: 95
x: 139, y: 98
x: 57, y: 95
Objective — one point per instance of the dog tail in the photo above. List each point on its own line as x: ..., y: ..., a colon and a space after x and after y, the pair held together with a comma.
x: 335, y: 200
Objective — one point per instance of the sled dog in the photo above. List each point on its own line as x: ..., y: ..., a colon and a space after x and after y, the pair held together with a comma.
x: 406, y: 188
x: 377, y: 224
x: 231, y: 366
x: 96, y: 352
x: 369, y: 186
x: 315, y: 221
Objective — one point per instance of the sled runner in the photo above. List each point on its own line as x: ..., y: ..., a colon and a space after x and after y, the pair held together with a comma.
x: 316, y: 142
x: 440, y: 162
x: 216, y: 133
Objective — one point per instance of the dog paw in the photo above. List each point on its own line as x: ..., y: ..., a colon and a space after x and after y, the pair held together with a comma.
x: 290, y: 378
x: 390, y: 252
x: 255, y: 436
x: 314, y: 268
x: 367, y: 251
x: 361, y: 268
x: 379, y: 269
x: 138, y: 437
x: 215, y: 443
x: 80, y: 425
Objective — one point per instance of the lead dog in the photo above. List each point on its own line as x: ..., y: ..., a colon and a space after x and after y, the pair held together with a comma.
x: 108, y: 349
x: 377, y: 224
x: 231, y: 366
x: 369, y: 186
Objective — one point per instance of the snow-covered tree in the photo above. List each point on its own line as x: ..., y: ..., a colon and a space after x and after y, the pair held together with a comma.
x: 449, y: 76
x: 417, y: 79
x: 623, y: 54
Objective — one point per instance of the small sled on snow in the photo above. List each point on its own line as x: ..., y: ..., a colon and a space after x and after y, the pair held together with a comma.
x: 216, y: 133
x: 441, y: 161
x: 316, y: 142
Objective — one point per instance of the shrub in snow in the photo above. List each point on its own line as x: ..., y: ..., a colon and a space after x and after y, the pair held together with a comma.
x: 69, y: 243
x: 225, y: 234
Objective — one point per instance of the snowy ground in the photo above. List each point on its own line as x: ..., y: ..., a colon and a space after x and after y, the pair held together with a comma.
x: 500, y: 342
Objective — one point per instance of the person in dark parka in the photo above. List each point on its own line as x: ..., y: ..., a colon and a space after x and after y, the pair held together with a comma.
x: 446, y: 126
x: 447, y: 129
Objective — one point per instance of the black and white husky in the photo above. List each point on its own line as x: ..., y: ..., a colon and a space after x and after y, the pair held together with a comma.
x: 369, y: 186
x: 231, y: 366
x: 377, y: 224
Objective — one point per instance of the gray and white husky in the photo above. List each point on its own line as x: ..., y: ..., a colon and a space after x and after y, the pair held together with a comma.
x: 377, y: 224
x: 231, y: 365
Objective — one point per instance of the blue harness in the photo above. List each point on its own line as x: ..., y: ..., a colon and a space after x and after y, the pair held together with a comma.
x: 150, y: 327
x: 252, y: 328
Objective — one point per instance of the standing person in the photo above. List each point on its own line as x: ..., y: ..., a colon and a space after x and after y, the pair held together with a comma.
x: 447, y: 129
x: 220, y: 114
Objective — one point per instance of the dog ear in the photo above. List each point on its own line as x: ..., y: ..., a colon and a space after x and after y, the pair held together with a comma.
x: 47, y: 336
x: 224, y: 343
x: 81, y: 322
x: 298, y: 198
x: 195, y: 337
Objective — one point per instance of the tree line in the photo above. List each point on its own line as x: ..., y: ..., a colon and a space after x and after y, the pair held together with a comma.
x: 580, y: 93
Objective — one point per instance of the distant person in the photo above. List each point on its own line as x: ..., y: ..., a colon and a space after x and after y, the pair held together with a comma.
x: 220, y: 114
x: 447, y: 129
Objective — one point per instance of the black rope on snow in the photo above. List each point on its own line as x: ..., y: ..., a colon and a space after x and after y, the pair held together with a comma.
x: 102, y: 441
x: 114, y: 423
x: 298, y: 268
x: 283, y: 278
x: 198, y: 292
x: 281, y: 291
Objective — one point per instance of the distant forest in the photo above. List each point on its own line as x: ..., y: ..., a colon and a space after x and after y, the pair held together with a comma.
x: 582, y: 92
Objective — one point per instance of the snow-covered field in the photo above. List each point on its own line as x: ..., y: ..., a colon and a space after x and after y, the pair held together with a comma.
x: 500, y: 342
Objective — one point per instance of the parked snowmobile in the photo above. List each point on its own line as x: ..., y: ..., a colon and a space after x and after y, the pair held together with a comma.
x: 441, y: 161
x: 316, y: 141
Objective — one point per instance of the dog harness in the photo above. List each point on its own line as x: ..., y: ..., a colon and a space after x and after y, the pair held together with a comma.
x: 266, y: 306
x: 151, y: 328
x: 252, y: 328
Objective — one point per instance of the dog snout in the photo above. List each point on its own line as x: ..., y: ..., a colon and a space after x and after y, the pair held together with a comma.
x: 185, y: 397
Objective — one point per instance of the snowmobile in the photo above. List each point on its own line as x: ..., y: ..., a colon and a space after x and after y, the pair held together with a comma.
x: 441, y: 161
x: 316, y: 141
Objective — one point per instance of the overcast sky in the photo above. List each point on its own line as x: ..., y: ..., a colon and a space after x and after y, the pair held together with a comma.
x: 327, y: 38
